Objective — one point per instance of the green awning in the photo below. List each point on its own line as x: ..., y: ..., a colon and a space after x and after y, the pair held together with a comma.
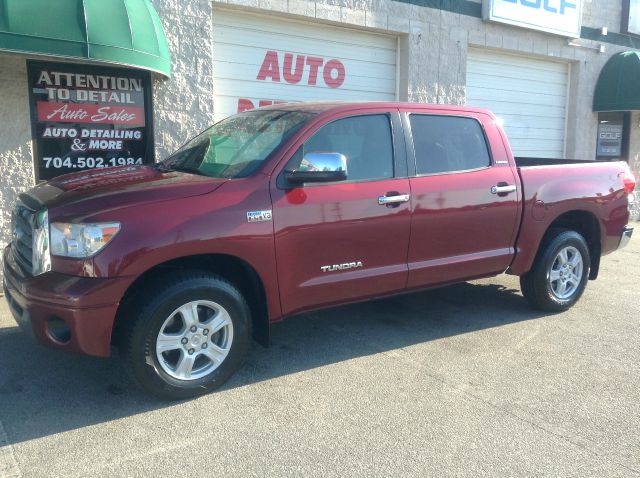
x: 121, y: 32
x: 618, y: 87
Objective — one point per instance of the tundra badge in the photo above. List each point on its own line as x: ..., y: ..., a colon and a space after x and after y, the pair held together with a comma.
x: 341, y: 267
x: 258, y: 216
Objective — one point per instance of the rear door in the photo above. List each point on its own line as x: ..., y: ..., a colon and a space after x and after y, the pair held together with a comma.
x: 343, y: 241
x: 464, y: 201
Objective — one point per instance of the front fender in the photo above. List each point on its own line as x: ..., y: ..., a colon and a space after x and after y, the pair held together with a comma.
x: 214, y: 223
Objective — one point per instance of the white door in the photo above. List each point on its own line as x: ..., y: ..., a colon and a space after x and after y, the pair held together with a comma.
x: 528, y: 94
x: 260, y: 60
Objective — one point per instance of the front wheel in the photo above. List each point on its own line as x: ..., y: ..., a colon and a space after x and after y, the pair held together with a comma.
x: 559, y: 274
x: 186, y: 335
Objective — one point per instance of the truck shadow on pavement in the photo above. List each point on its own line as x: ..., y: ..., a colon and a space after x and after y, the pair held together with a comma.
x: 44, y: 392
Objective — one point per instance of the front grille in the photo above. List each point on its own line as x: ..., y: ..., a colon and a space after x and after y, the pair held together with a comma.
x: 13, y: 305
x: 22, y: 222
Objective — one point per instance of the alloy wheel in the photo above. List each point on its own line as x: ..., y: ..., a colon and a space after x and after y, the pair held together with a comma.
x: 566, y: 272
x: 194, y: 340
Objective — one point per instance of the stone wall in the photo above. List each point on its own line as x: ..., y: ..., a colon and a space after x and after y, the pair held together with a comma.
x: 183, y: 105
x: 602, y: 13
x: 16, y: 159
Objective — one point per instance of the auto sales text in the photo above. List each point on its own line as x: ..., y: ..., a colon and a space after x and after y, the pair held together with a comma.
x: 51, y: 132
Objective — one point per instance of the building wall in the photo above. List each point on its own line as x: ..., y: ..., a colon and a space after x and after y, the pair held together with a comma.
x: 433, y: 57
x: 634, y: 142
x: 183, y: 105
x: 16, y: 159
x: 634, y: 156
x: 433, y: 46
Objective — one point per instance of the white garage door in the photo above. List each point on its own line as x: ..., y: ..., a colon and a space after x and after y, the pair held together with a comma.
x: 529, y: 95
x: 260, y: 60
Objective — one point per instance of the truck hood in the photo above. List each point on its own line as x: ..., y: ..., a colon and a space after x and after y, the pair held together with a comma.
x: 112, y: 188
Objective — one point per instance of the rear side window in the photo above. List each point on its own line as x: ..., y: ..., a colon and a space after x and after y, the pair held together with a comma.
x: 445, y: 144
x: 364, y: 140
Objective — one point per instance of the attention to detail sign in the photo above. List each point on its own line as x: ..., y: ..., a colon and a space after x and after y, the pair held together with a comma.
x: 562, y: 17
x: 86, y: 117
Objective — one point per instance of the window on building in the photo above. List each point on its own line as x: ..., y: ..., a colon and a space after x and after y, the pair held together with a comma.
x: 613, y: 135
x: 445, y: 144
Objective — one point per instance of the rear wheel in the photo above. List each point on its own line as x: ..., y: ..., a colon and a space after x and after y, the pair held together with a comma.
x: 187, y: 335
x: 560, y: 272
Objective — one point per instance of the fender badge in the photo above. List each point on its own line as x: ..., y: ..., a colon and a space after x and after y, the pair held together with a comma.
x: 259, y: 216
x: 341, y: 267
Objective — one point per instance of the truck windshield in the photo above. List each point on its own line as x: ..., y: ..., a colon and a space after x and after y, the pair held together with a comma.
x: 235, y: 147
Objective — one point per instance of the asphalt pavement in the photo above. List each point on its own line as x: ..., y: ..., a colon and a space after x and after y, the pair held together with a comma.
x: 461, y: 381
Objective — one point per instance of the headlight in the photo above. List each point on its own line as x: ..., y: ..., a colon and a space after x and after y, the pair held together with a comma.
x: 81, y: 240
x: 41, y: 255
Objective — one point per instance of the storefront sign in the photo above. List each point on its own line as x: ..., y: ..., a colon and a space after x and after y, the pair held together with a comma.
x: 289, y: 60
x: 609, y: 140
x: 333, y: 71
x: 86, y: 117
x: 562, y: 17
x: 631, y: 16
x: 295, y: 69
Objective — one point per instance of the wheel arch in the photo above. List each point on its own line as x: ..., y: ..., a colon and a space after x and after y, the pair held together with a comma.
x: 232, y: 268
x: 587, y: 225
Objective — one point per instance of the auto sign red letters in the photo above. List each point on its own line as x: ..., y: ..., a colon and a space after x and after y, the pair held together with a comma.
x: 296, y: 69
x: 333, y: 71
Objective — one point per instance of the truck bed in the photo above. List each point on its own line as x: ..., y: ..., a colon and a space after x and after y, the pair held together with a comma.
x: 587, y: 190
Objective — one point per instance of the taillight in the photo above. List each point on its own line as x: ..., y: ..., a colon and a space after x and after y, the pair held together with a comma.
x: 628, y: 182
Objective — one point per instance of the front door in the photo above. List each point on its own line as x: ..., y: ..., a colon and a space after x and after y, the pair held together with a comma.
x: 464, y: 202
x: 342, y: 241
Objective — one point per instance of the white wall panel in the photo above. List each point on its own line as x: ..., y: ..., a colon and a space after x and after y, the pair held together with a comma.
x: 246, y: 43
x: 528, y: 94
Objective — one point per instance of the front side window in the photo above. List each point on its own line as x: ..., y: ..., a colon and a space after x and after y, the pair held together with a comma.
x: 365, y: 141
x: 237, y: 146
x: 445, y: 144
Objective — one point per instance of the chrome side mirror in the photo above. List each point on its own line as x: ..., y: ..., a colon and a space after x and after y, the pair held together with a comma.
x: 319, y: 167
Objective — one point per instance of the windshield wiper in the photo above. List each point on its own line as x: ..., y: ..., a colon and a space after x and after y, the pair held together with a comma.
x: 162, y: 167
x: 185, y: 169
x: 165, y: 168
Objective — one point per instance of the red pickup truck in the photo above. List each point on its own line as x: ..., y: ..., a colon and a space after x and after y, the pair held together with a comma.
x: 290, y: 208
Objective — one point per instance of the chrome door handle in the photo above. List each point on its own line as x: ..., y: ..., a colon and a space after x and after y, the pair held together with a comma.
x: 503, y: 189
x: 399, y: 198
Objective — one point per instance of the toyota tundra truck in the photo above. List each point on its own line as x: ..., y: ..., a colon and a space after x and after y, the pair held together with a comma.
x: 286, y: 209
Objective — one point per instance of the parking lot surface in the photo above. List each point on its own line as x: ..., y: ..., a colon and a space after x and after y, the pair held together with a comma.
x: 461, y: 381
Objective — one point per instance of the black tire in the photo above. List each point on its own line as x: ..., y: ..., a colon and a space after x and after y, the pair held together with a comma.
x: 147, y: 314
x: 536, y: 286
